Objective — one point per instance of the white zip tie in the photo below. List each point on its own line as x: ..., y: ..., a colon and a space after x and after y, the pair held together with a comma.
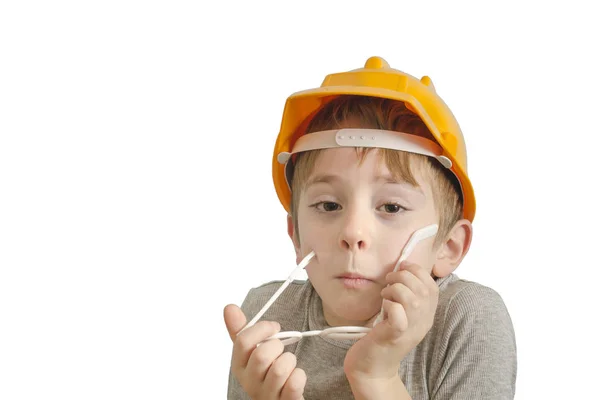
x: 285, y: 284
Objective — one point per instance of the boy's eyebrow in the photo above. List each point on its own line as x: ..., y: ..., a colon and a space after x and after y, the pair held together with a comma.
x: 323, y: 178
x: 390, y: 179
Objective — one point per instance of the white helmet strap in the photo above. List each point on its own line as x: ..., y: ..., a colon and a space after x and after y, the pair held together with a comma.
x: 363, y: 138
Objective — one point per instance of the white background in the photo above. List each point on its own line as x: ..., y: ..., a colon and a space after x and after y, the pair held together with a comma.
x: 136, y: 198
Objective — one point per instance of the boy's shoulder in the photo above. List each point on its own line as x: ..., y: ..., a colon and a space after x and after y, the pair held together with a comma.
x: 295, y: 288
x: 462, y: 295
x: 290, y: 306
x: 472, y: 337
x: 467, y: 305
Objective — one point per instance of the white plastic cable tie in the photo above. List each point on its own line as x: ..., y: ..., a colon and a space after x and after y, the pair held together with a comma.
x: 285, y: 284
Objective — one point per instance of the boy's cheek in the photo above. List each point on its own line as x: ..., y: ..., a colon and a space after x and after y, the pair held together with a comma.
x: 316, y: 239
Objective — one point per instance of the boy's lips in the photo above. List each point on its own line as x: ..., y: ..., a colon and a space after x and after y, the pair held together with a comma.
x: 353, y: 276
x: 354, y: 281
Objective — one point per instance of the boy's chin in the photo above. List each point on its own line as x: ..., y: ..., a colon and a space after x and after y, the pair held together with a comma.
x: 358, y: 317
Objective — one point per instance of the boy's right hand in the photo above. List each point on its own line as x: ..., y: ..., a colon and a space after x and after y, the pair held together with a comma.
x: 265, y: 372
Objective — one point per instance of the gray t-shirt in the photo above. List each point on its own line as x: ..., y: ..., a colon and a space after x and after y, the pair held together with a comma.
x: 469, y: 353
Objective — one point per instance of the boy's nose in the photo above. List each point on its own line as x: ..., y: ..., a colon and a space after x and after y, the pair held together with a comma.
x: 355, y: 234
x: 354, y: 245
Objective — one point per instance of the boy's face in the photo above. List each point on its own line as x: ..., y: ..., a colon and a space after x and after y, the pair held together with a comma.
x: 357, y: 219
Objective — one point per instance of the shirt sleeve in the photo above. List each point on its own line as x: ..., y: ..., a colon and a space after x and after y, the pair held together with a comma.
x: 476, y: 355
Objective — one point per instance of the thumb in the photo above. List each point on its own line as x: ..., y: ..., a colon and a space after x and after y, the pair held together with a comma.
x: 235, y: 320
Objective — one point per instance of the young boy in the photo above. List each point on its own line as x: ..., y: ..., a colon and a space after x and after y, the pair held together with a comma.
x: 365, y: 165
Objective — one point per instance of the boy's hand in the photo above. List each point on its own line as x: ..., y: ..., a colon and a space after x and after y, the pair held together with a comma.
x: 264, y: 372
x: 410, y: 302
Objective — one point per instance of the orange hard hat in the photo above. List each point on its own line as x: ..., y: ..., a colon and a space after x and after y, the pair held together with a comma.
x: 376, y: 79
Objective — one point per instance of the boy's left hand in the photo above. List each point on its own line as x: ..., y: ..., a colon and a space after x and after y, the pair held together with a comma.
x: 410, y: 302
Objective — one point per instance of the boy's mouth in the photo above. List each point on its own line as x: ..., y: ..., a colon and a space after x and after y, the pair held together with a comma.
x: 354, y: 281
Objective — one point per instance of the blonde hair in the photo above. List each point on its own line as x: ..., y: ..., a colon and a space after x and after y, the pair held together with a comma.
x: 375, y: 113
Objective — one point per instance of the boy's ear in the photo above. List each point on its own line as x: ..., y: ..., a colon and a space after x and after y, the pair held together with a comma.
x: 292, y: 234
x: 454, y: 248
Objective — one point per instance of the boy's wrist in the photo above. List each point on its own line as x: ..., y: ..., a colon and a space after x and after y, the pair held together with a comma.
x: 364, y: 388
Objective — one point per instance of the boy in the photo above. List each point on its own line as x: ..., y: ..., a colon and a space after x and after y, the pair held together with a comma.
x: 363, y: 165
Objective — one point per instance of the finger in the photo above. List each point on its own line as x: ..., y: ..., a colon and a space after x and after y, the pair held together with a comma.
x: 421, y: 273
x: 397, y: 318
x: 262, y: 358
x: 279, y: 372
x: 407, y: 279
x: 429, y: 286
x: 399, y: 293
x: 294, y: 386
x: 245, y: 343
x: 235, y: 320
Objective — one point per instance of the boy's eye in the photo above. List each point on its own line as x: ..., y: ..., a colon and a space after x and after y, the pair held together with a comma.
x: 391, y: 208
x: 327, y: 206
